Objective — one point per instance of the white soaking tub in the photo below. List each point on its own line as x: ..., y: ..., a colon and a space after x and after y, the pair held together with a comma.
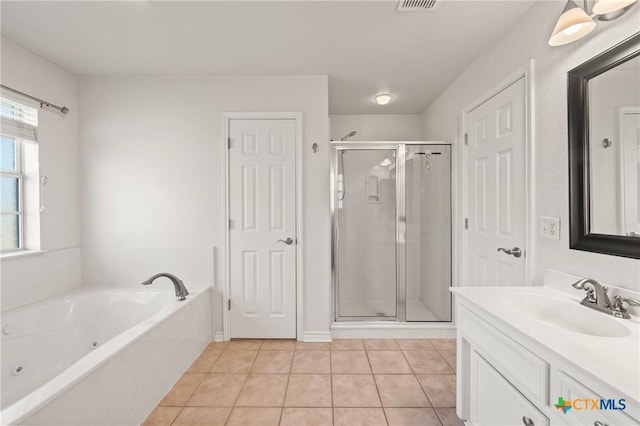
x: 97, y: 356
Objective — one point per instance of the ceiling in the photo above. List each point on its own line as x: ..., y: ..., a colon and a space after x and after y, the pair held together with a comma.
x: 365, y: 47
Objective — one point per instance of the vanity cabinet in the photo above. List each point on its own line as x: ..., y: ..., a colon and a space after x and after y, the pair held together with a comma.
x: 505, y: 379
x: 495, y: 401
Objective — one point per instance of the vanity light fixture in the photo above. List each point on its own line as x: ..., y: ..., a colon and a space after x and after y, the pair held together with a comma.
x: 575, y: 23
x: 383, y: 98
x: 603, y: 7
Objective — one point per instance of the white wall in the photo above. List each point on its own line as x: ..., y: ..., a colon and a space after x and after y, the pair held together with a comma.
x: 30, y: 278
x: 152, y: 169
x: 527, y: 40
x: 376, y: 127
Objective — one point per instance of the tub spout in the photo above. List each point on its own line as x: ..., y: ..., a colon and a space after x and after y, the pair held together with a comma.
x: 181, y: 290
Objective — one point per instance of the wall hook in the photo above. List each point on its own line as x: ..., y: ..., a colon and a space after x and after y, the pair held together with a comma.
x: 314, y: 147
x: 607, y: 143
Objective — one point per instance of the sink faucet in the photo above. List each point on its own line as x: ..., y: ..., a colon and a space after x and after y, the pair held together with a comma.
x: 181, y: 290
x: 598, y: 298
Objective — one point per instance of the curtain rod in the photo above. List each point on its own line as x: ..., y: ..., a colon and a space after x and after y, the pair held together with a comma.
x: 43, y: 104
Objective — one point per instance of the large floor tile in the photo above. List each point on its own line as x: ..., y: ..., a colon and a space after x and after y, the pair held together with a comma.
x: 309, y: 390
x: 205, y: 361
x: 182, y: 390
x: 353, y: 390
x: 401, y: 390
x: 388, y: 362
x: 381, y: 345
x: 244, y: 345
x: 416, y: 345
x: 450, y: 358
x: 236, y: 361
x: 263, y: 390
x: 448, y: 417
x: 161, y: 416
x: 217, y: 390
x: 359, y: 417
x: 412, y: 417
x: 307, y: 417
x: 350, y: 362
x: 313, y: 346
x: 347, y: 345
x: 444, y: 344
x: 273, y: 361
x: 311, y: 362
x: 440, y: 388
x: 283, y: 345
x: 255, y: 416
x: 205, y: 416
x: 427, y: 362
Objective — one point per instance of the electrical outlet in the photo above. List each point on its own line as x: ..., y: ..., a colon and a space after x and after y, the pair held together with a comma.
x: 550, y: 227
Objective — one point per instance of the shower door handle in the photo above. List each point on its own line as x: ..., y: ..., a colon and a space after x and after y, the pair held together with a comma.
x: 515, y: 252
x: 288, y: 241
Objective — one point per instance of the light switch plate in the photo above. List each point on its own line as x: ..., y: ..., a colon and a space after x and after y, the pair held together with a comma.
x: 550, y: 227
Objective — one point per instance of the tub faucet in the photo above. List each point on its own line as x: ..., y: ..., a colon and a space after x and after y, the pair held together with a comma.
x: 181, y: 290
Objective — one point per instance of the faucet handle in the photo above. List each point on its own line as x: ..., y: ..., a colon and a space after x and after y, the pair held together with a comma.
x: 618, y: 308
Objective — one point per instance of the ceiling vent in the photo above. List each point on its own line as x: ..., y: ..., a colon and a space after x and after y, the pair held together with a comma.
x: 418, y: 5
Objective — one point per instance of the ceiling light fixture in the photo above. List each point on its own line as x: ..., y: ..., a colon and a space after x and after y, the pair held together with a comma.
x: 383, y: 98
x: 575, y: 23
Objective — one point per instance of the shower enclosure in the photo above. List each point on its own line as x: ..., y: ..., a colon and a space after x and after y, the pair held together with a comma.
x: 391, y: 238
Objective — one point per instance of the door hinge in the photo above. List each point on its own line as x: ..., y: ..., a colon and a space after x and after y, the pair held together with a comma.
x: 230, y: 224
x: 466, y: 223
x: 229, y: 304
x: 466, y: 138
x: 229, y: 143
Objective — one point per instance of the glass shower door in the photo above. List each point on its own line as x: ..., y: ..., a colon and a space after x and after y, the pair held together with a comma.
x: 366, y: 233
x: 428, y: 232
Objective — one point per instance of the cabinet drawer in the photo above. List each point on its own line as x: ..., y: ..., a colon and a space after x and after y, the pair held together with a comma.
x: 526, y: 371
x: 495, y: 401
x: 583, y: 412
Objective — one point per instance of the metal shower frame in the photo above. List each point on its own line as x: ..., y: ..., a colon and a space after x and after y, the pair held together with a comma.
x: 400, y: 148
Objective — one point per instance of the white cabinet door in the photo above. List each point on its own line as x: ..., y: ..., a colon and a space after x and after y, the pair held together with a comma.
x: 495, y: 402
x: 262, y: 236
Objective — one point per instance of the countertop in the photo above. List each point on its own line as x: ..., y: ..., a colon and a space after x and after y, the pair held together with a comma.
x: 613, y: 360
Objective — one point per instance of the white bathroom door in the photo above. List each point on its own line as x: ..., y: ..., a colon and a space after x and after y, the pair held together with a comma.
x: 496, y: 191
x: 630, y: 159
x: 262, y: 234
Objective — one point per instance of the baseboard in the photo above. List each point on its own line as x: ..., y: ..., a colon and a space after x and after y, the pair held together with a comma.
x: 316, y: 336
x: 385, y: 330
x: 218, y: 336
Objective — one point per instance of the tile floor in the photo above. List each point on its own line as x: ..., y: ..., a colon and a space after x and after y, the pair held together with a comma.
x: 347, y: 382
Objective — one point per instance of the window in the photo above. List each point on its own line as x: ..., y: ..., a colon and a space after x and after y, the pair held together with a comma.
x: 19, y: 189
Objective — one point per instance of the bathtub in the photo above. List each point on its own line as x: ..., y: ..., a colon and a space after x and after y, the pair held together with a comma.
x: 95, y: 356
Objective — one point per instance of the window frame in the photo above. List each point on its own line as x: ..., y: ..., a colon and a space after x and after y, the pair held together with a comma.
x: 18, y: 174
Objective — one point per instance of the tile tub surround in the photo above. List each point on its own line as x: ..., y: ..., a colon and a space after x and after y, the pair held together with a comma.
x: 347, y: 382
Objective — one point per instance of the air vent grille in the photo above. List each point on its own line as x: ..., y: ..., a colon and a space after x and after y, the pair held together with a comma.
x: 418, y: 5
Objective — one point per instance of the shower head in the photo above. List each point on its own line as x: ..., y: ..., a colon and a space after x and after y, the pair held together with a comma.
x: 64, y: 110
x: 348, y: 135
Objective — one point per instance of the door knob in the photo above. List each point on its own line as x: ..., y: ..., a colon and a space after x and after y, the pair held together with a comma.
x: 515, y: 252
x: 288, y: 241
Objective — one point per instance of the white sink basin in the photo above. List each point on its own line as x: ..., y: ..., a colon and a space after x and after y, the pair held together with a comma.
x: 565, y: 314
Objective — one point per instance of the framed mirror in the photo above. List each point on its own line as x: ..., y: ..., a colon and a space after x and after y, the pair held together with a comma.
x: 604, y: 152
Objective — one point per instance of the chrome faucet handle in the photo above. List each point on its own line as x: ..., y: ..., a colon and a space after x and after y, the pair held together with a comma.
x: 617, y: 306
x: 591, y: 295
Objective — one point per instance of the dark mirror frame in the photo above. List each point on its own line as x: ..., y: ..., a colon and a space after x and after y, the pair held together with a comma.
x: 578, y: 113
